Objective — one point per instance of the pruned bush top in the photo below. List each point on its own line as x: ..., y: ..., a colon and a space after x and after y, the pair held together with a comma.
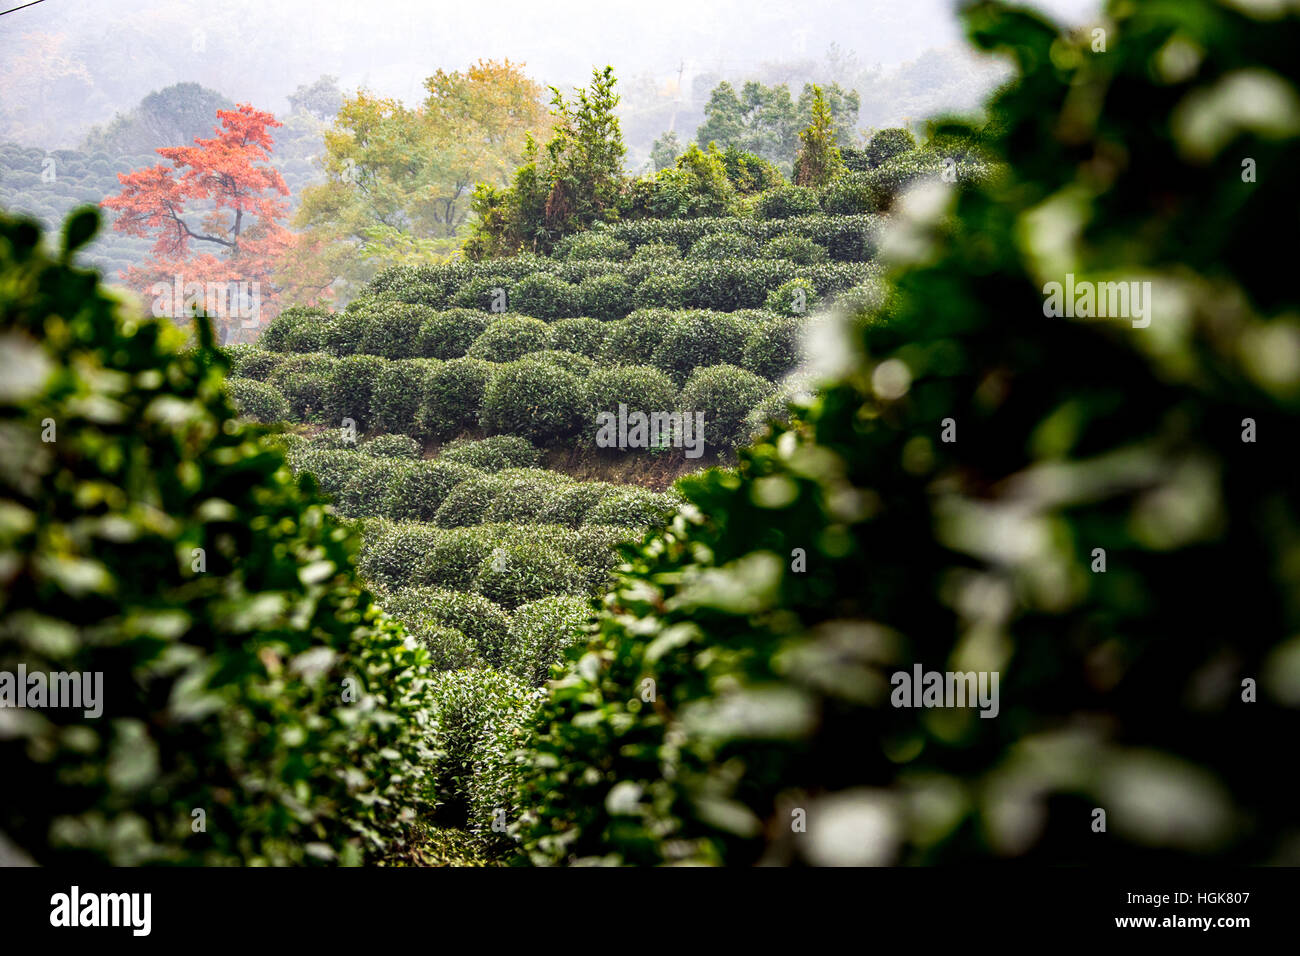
x: 453, y: 397
x: 450, y: 333
x: 723, y: 245
x: 493, y: 453
x: 540, y: 631
x: 256, y: 400
x: 534, y: 399
x: 511, y: 337
x: 725, y: 394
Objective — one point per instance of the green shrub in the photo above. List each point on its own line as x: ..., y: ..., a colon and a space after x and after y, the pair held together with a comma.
x: 453, y: 557
x: 795, y: 297
x: 332, y: 468
x: 568, y: 505
x: 453, y: 397
x: 664, y: 290
x: 449, y: 334
x: 885, y: 144
x: 345, y: 333
x: 633, y: 508
x: 296, y: 329
x: 725, y: 394
x: 656, y: 251
x: 493, y: 453
x: 633, y: 340
x: 256, y: 364
x: 540, y: 631
x: 392, y: 329
x: 639, y: 387
x: 366, y: 493
x: 449, y: 649
x: 591, y: 245
x: 578, y: 365
x: 518, y: 571
x: 545, y: 296
x: 772, y: 349
x: 482, y: 719
x: 604, y: 297
x: 785, y: 202
x: 483, y: 622
x: 534, y: 400
x: 524, y: 493
x: 392, y: 556
x: 159, y: 543
x: 798, y: 249
x: 258, y: 401
x: 582, y: 336
x: 398, y: 396
x: 485, y: 293
x: 418, y: 493
x: 695, y: 339
x: 595, y: 549
x: 467, y: 502
x: 722, y: 245
x: 511, y: 337
x: 350, y: 389
x: 848, y: 195
x: 392, y: 446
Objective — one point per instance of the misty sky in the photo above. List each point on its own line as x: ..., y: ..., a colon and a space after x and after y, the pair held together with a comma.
x: 86, y: 59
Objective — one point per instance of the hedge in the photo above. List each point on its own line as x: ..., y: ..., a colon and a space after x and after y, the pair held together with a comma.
x: 258, y: 401
x: 518, y: 571
x: 418, y: 493
x: 581, y: 336
x: 450, y: 333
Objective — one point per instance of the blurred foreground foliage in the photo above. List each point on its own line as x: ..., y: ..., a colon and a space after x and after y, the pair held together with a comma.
x: 731, y: 698
x: 148, y: 537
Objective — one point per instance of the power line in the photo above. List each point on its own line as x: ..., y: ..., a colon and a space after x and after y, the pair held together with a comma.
x: 23, y: 7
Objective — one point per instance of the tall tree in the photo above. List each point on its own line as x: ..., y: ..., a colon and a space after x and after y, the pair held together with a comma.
x: 220, y: 196
x: 819, y: 158
x: 399, y: 178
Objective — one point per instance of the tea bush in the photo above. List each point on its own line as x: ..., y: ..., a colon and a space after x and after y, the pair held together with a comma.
x: 582, y: 336
x: 257, y: 401
x: 533, y: 400
x: 520, y: 571
x: 493, y: 453
x: 540, y: 631
x: 450, y: 334
x: 725, y: 394
x: 391, y: 446
x: 419, y: 491
x: 453, y: 397
x: 511, y: 337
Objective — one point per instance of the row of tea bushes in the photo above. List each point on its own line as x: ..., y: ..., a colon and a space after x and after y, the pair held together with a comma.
x: 605, y: 289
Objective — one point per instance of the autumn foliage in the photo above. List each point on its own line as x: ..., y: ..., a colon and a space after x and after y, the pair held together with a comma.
x: 215, y: 216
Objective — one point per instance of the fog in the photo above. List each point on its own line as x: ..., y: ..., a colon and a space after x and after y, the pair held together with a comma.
x: 66, y: 65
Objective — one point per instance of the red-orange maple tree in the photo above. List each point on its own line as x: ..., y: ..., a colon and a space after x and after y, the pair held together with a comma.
x: 216, y: 213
